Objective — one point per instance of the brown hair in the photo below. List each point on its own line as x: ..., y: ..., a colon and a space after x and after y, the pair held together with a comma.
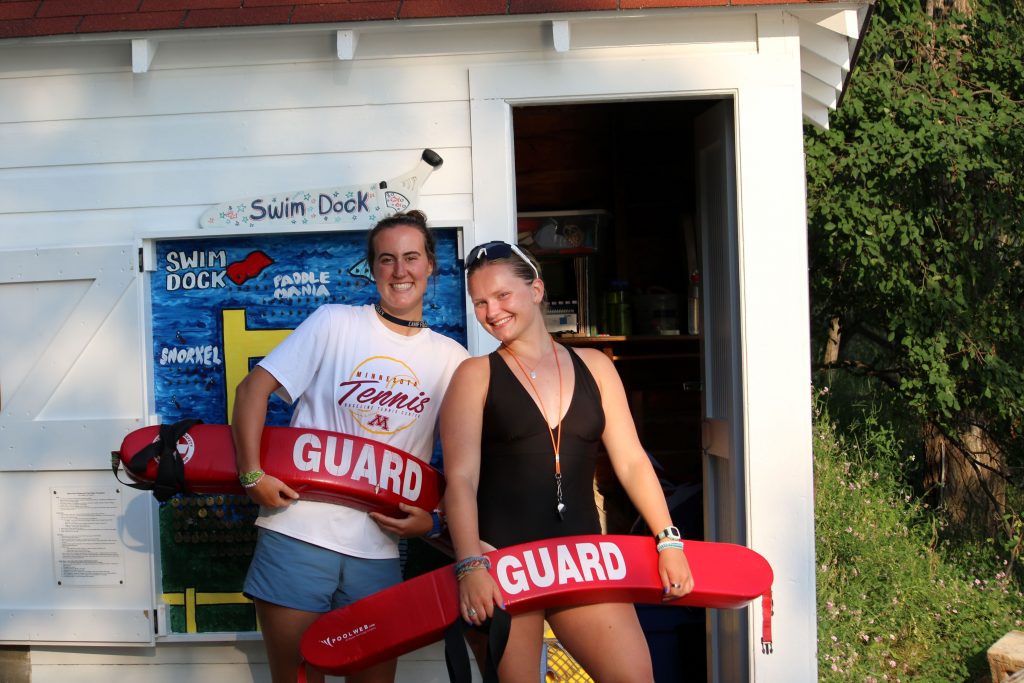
x: 413, y: 219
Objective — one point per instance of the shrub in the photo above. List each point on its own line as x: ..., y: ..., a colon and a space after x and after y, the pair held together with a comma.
x: 896, y: 602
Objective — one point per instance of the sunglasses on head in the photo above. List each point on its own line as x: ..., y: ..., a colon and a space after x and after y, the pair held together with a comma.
x: 492, y: 251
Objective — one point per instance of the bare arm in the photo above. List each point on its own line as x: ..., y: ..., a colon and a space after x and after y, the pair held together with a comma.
x: 250, y: 416
x: 633, y: 468
x: 461, y: 430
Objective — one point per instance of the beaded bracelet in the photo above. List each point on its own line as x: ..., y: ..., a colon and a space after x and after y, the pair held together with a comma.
x: 470, y: 564
x: 250, y: 479
x: 663, y: 545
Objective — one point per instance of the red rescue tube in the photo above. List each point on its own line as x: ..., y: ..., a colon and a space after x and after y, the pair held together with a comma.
x: 320, y: 465
x: 556, y: 572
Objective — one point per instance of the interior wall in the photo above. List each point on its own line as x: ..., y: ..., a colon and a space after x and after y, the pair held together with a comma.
x: 633, y: 159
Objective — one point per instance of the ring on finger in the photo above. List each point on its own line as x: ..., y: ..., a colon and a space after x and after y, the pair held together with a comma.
x: 677, y: 585
x: 471, y: 612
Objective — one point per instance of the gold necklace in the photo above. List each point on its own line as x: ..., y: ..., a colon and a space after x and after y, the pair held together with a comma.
x: 556, y: 445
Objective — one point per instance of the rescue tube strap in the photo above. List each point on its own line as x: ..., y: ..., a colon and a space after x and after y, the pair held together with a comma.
x: 767, y: 610
x: 456, y: 657
x: 170, y: 477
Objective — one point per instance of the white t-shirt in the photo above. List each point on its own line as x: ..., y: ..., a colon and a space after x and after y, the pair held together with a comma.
x: 349, y: 373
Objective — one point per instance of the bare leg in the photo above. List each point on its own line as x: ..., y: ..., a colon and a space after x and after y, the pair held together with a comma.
x: 606, y: 639
x: 282, y: 629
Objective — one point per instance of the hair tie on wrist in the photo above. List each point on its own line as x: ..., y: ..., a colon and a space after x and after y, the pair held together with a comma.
x: 664, y: 545
x: 439, y: 525
x: 250, y: 479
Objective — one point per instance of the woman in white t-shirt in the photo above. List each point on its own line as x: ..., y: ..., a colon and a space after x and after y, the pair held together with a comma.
x: 313, y: 557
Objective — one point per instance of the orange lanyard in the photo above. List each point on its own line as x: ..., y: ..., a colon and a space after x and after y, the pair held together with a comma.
x: 556, y: 445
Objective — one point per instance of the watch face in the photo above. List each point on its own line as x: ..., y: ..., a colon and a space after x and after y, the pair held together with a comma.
x: 670, y: 533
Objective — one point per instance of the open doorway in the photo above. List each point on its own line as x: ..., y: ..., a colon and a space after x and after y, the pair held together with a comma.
x: 607, y: 198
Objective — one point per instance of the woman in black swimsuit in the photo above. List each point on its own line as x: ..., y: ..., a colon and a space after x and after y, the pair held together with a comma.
x: 521, y: 429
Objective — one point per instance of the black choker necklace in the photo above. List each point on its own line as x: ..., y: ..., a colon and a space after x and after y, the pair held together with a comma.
x: 398, y: 321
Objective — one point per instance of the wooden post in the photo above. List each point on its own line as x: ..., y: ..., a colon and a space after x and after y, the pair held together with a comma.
x: 1006, y: 657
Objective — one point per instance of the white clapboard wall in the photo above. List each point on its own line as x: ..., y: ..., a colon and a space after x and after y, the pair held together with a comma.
x: 96, y: 160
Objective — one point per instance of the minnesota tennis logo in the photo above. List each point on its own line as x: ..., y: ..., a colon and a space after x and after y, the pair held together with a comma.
x: 383, y: 395
x: 380, y: 422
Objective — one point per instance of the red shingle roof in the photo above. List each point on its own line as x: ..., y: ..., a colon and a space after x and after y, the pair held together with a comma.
x: 23, y: 18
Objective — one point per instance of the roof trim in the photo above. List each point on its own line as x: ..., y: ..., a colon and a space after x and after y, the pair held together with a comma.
x: 830, y: 34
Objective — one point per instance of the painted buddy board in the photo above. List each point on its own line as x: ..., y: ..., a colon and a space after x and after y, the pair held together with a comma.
x: 218, y: 306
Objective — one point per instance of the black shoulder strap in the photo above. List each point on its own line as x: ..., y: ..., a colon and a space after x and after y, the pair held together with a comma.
x: 456, y: 656
x: 170, y: 474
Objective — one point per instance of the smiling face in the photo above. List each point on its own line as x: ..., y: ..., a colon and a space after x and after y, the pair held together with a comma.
x: 401, y: 268
x: 505, y: 304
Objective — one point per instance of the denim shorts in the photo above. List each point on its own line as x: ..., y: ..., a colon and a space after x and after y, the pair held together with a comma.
x: 292, y: 573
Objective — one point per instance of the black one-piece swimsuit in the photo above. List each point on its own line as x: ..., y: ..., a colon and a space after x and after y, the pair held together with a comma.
x: 516, y: 496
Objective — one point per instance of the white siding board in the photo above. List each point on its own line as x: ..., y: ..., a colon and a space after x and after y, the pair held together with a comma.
x: 815, y: 112
x: 818, y: 91
x: 210, y: 181
x: 34, y: 61
x: 50, y: 229
x: 249, y: 88
x: 447, y: 209
x: 822, y: 69
x: 319, y: 130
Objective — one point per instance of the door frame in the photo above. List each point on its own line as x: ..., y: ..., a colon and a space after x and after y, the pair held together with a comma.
x: 771, y: 226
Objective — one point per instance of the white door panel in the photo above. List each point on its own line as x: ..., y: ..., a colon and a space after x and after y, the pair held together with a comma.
x: 71, y: 372
x: 71, y: 386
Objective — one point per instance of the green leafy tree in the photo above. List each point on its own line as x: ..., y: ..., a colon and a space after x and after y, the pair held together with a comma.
x: 916, y: 219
